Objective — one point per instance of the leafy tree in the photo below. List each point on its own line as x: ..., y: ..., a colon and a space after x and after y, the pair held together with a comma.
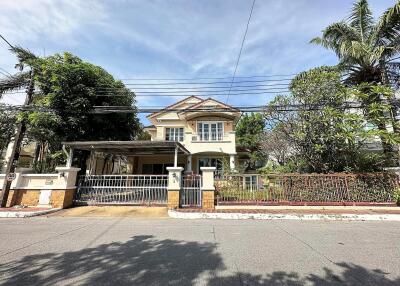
x: 67, y: 90
x: 326, y: 136
x: 249, y: 132
x: 367, y: 50
x: 71, y: 88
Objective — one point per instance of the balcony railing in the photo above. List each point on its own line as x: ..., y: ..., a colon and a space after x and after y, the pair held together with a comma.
x: 210, y: 137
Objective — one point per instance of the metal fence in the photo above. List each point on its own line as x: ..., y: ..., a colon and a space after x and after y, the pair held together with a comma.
x: 313, y: 188
x: 191, y: 191
x: 122, y: 189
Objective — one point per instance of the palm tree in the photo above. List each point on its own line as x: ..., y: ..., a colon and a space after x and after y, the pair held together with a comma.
x: 22, y: 78
x: 366, y: 49
x: 367, y: 52
x: 15, y: 82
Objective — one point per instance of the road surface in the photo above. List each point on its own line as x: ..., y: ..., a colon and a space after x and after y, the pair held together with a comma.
x: 134, y: 251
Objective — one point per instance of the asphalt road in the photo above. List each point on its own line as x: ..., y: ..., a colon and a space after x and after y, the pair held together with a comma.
x: 126, y: 251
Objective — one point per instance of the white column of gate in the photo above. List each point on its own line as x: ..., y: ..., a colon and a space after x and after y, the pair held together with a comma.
x: 122, y: 189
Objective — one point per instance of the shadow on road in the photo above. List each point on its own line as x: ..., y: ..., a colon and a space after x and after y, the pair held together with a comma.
x: 144, y: 260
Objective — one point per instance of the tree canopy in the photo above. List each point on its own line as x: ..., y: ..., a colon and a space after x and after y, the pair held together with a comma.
x: 249, y: 132
x: 366, y: 49
x: 66, y: 91
x: 326, y: 135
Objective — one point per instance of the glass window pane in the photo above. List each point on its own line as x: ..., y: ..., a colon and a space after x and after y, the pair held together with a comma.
x: 180, y: 134
x: 220, y: 131
x: 206, y: 128
x: 167, y: 137
x: 213, y: 131
x: 200, y: 131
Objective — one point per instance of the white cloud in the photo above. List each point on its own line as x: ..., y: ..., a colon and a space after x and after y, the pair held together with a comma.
x: 177, y: 38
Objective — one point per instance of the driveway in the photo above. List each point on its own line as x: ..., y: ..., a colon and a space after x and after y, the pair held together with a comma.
x: 127, y: 251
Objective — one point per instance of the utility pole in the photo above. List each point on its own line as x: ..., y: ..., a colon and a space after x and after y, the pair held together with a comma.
x: 18, y: 137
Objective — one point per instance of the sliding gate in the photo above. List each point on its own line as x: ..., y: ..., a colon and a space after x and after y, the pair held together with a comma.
x: 122, y: 189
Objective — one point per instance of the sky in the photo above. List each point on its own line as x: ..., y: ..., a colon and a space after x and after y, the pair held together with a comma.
x: 176, y: 39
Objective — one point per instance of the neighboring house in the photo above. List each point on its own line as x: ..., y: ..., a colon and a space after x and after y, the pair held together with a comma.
x: 206, y: 128
x: 25, y: 158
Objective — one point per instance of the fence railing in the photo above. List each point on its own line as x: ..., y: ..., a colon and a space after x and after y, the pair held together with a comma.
x: 191, y: 191
x: 122, y: 189
x: 317, y: 188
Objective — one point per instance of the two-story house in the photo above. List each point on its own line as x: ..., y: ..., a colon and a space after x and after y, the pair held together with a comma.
x: 205, y: 127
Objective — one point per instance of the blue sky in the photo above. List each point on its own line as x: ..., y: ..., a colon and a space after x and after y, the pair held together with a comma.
x: 176, y: 38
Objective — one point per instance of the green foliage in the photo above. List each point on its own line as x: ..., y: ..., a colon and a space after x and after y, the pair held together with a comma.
x: 292, y: 165
x: 365, y: 48
x: 325, y: 135
x: 49, y: 162
x: 249, y: 131
x: 8, y: 120
x: 368, y: 52
x: 397, y: 196
x: 69, y: 87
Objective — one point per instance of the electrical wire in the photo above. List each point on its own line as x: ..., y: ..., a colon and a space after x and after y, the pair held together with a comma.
x: 241, y: 48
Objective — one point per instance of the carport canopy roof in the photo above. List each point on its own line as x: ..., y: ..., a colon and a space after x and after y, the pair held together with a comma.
x: 129, y: 147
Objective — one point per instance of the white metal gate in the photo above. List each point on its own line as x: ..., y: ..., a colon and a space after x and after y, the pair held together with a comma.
x: 191, y: 191
x: 122, y: 189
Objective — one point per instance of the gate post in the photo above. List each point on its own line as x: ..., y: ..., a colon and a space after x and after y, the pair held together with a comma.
x: 174, y: 186
x: 208, y: 188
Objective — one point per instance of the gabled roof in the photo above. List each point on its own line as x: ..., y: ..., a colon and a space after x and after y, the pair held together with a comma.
x: 211, y: 99
x: 173, y: 105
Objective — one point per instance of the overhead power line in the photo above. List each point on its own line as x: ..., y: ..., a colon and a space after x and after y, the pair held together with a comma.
x: 214, y: 82
x: 241, y: 48
x: 149, y: 109
x: 208, y: 78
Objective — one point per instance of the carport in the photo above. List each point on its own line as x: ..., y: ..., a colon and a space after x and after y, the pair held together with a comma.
x: 152, y: 149
x: 130, y: 186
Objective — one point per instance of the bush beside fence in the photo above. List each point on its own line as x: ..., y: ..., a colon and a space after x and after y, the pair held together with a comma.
x: 323, y: 188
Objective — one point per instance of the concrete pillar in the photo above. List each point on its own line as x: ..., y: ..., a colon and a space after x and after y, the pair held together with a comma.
x: 232, y: 161
x: 208, y: 188
x: 176, y: 157
x: 174, y: 186
x: 189, y: 163
x: 70, y: 157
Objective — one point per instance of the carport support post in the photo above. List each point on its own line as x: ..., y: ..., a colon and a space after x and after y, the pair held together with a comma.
x: 208, y: 188
x: 174, y: 186
x: 176, y: 157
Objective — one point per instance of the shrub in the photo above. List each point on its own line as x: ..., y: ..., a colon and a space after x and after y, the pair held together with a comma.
x: 397, y: 196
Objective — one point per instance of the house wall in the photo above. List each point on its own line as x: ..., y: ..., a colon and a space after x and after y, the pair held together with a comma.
x: 227, y: 145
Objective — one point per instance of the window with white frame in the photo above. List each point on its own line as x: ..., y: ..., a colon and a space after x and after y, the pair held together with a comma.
x: 210, y: 131
x: 174, y: 134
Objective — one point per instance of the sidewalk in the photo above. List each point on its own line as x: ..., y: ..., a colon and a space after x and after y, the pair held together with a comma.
x: 25, y: 212
x: 294, y: 213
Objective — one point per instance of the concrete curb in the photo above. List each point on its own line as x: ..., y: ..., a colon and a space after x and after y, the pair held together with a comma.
x: 264, y: 216
x: 21, y: 214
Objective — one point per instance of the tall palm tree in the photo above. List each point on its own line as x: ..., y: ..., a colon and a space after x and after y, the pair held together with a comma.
x: 367, y: 52
x: 14, y: 82
x: 366, y: 49
x: 22, y: 78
